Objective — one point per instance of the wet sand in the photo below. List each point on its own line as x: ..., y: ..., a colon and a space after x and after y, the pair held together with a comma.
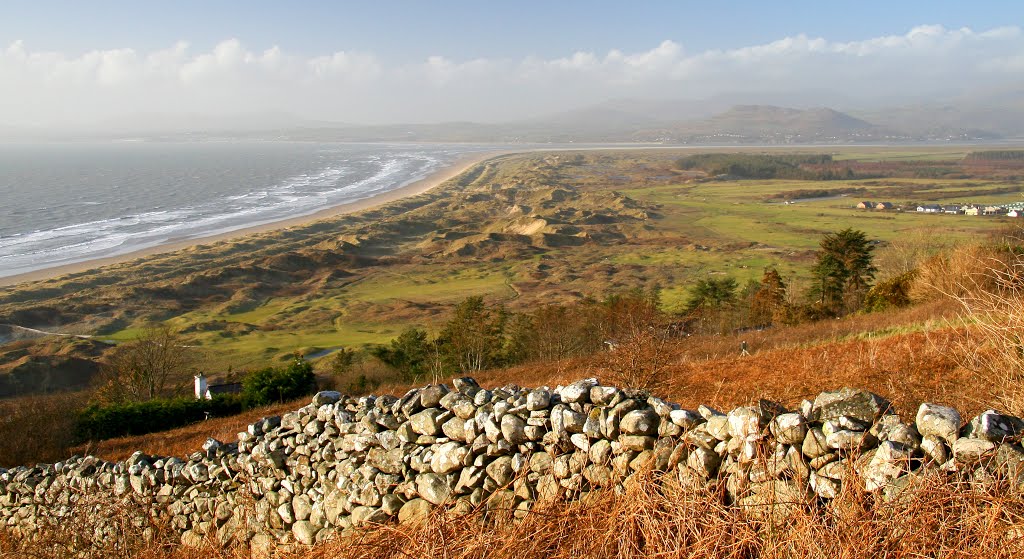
x: 412, y: 189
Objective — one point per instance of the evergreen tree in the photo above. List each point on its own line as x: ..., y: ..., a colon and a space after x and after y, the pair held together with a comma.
x: 711, y: 294
x: 844, y: 270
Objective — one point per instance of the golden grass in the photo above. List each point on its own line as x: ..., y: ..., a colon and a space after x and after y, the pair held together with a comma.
x: 655, y: 517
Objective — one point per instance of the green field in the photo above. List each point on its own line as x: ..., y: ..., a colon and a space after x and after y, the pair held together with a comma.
x: 522, y: 230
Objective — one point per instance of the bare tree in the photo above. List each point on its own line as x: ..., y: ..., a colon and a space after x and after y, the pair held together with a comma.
x: 156, y: 363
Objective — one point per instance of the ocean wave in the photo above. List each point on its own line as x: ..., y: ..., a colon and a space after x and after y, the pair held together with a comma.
x: 338, y: 181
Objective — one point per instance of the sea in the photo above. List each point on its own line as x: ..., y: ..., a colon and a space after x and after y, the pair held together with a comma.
x: 63, y: 203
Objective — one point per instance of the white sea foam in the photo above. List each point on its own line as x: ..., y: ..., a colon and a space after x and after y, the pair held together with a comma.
x: 337, y: 180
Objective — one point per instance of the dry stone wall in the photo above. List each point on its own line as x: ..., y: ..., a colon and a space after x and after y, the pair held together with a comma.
x: 341, y: 462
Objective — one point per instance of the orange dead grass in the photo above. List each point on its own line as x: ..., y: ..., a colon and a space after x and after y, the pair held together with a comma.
x: 654, y: 517
x: 787, y: 364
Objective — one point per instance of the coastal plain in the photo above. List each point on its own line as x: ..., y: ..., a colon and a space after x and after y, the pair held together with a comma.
x: 522, y: 229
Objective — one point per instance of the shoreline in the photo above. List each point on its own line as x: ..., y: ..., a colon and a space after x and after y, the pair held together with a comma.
x: 417, y: 187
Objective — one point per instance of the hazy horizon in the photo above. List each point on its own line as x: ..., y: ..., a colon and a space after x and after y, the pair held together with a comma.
x: 404, y: 63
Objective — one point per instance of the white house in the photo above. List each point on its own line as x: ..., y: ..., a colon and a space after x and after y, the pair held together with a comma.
x: 202, y: 388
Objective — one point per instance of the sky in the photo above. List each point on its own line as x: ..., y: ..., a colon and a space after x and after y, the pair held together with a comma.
x: 79, y: 62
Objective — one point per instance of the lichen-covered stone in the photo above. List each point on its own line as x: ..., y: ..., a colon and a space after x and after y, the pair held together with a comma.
x: 940, y: 421
x: 858, y: 404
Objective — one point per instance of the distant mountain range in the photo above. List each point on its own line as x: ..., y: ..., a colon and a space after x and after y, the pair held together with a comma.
x: 990, y: 115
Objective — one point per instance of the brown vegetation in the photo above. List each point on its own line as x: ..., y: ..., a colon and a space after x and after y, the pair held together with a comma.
x: 656, y: 516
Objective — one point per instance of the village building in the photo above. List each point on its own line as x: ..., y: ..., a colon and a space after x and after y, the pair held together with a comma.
x: 930, y: 208
x: 883, y: 206
x: 865, y: 205
x: 206, y: 391
x: 972, y: 210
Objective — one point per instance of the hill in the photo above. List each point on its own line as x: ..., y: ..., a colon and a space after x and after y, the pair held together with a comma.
x: 771, y: 125
x: 771, y: 118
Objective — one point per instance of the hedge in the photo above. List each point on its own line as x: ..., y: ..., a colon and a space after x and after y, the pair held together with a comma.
x: 138, y: 418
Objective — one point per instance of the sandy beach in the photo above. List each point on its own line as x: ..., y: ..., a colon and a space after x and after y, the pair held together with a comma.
x: 412, y: 189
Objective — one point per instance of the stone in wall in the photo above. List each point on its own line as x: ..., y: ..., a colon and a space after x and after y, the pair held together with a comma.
x: 342, y: 462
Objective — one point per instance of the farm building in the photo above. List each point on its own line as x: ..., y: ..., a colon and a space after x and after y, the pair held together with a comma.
x: 883, y: 206
x: 865, y: 205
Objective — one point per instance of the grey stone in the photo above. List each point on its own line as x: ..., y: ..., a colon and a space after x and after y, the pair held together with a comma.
x: 433, y: 487
x: 996, y: 427
x: 935, y: 448
x: 465, y: 384
x: 604, y: 395
x: 639, y: 422
x: 501, y: 471
x: 326, y: 397
x: 449, y: 457
x: 538, y: 399
x: 844, y: 440
x: 578, y: 392
x: 858, y: 404
x: 636, y: 443
x: 302, y: 507
x: 815, y: 443
x: 972, y: 451
x: 789, y: 428
x: 890, y: 461
x: 572, y: 421
x: 600, y: 452
x: 824, y: 487
x: 686, y: 419
x: 414, y: 511
x: 718, y: 427
x: 513, y: 428
x: 940, y: 421
x: 426, y: 422
x: 305, y: 532
x: 746, y: 423
x: 430, y: 396
x: 704, y: 462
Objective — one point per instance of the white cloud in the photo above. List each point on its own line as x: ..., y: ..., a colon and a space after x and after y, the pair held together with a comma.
x: 50, y: 87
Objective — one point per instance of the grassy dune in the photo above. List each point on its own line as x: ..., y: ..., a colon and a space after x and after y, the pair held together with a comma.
x: 519, y: 229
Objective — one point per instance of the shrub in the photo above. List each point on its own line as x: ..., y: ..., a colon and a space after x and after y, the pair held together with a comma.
x: 891, y: 293
x: 274, y: 385
x: 98, y: 422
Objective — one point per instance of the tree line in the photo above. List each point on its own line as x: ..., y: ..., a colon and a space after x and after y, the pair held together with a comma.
x: 759, y: 166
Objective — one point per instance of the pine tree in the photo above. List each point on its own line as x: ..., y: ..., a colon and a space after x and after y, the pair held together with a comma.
x: 844, y: 270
